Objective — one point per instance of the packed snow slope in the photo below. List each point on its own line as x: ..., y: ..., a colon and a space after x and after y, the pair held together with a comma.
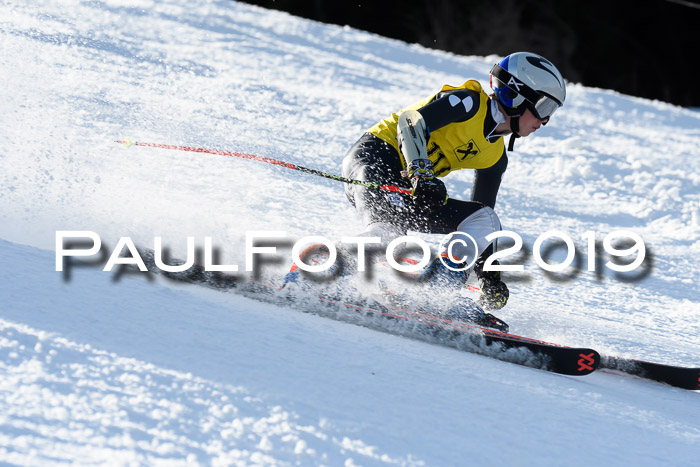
x: 99, y: 370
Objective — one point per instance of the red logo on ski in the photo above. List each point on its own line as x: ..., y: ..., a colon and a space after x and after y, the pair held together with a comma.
x: 586, y: 361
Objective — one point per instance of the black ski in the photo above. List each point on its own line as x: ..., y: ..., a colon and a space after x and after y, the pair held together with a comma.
x: 678, y: 376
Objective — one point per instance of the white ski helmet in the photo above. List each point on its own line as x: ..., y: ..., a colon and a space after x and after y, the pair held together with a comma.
x: 524, y: 80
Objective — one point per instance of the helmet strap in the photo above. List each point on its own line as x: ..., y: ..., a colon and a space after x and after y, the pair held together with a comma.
x: 515, y: 128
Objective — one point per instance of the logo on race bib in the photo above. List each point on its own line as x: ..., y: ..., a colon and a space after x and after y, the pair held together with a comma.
x: 467, y: 151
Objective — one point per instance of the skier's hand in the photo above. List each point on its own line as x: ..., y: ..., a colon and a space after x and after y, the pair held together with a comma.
x: 427, y: 189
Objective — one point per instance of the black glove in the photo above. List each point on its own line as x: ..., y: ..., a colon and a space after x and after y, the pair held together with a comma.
x: 427, y: 189
x: 494, y: 292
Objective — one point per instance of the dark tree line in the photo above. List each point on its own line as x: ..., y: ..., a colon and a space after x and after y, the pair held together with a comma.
x: 644, y: 48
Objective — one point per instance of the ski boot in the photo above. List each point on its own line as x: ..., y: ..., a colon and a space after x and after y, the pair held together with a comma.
x: 424, y: 290
x: 449, y: 277
x: 494, y: 292
x: 444, y: 275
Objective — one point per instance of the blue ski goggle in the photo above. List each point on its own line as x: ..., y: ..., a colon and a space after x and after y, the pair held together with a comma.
x: 540, y: 104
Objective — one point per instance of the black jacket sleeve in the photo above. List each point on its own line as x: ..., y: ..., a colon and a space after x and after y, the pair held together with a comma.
x: 449, y: 107
x: 488, y: 181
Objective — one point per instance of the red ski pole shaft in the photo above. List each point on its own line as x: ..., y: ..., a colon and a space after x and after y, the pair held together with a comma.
x: 397, y: 189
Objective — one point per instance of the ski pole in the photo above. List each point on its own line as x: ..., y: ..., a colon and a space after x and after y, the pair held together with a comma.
x: 378, y: 186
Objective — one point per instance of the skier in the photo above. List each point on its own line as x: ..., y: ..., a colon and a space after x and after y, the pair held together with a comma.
x: 457, y: 128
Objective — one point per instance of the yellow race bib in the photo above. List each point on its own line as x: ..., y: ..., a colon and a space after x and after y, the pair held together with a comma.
x: 458, y: 145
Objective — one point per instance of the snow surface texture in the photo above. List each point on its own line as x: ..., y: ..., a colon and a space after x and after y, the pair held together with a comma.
x: 98, y: 370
